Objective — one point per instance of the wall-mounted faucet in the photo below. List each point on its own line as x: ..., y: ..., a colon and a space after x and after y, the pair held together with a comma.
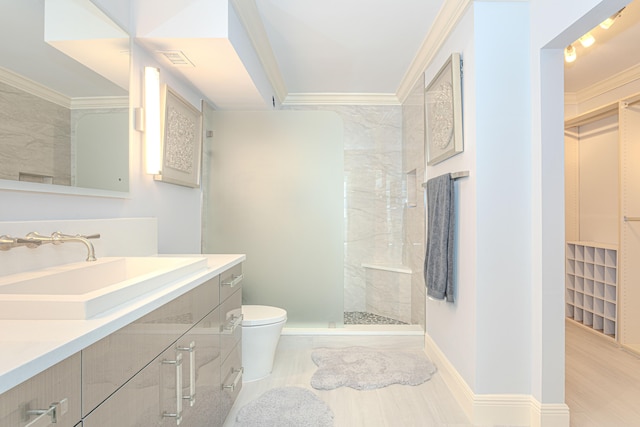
x: 35, y: 239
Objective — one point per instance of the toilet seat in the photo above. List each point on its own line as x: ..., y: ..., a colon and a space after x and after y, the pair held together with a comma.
x: 258, y: 315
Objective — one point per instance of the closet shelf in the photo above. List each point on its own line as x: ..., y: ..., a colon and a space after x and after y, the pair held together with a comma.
x: 591, y: 285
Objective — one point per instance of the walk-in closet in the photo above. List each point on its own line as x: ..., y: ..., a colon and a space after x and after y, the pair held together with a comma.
x: 602, y: 208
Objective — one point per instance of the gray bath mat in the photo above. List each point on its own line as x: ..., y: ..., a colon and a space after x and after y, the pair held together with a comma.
x: 364, y: 368
x: 286, y: 407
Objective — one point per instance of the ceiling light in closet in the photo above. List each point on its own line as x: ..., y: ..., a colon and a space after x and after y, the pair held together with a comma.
x: 570, y: 53
x: 607, y: 23
x: 587, y: 40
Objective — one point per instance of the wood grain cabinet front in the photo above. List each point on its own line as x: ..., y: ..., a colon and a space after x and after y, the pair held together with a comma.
x: 179, y: 387
x: 50, y: 398
x: 112, y: 361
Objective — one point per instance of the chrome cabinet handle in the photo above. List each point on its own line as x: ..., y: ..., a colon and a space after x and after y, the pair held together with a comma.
x: 192, y: 372
x: 236, y: 380
x: 47, y: 416
x: 232, y: 323
x: 234, y: 280
x: 178, y: 414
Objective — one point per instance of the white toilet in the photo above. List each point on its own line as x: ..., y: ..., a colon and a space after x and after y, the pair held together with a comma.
x: 261, y: 327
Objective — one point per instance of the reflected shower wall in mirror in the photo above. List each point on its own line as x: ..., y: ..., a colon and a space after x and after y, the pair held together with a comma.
x: 64, y: 81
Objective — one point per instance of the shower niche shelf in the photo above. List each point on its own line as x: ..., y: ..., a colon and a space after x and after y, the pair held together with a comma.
x: 592, y: 286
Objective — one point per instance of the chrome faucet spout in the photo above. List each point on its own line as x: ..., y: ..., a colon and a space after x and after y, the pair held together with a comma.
x: 58, y: 238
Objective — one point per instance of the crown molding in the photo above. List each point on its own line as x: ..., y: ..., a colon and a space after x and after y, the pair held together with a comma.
x: 33, y: 88
x: 99, y: 102
x: 250, y: 17
x: 617, y: 80
x: 341, y: 99
x: 445, y: 22
x: 36, y: 89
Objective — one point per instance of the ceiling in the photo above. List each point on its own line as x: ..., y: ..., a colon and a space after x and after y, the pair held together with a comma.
x: 346, y: 46
x: 330, y: 47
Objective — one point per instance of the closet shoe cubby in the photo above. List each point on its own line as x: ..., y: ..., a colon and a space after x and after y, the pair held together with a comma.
x: 592, y: 286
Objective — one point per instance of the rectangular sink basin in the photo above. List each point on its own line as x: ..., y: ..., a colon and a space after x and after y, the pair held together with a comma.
x: 85, y: 289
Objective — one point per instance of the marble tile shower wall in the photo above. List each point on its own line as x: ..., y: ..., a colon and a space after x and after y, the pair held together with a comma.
x: 374, y: 192
x: 414, y: 217
x: 35, y: 136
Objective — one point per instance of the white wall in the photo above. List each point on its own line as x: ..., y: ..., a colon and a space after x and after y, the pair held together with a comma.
x: 481, y: 333
x: 503, y: 240
x: 177, y: 209
x: 453, y: 326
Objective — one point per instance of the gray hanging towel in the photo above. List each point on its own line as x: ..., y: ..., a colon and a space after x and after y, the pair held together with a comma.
x: 438, y: 261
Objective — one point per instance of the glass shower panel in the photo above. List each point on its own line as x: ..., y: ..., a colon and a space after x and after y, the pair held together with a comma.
x: 274, y: 191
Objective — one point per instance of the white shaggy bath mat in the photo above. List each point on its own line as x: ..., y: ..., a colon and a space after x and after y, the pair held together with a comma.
x: 286, y: 407
x: 365, y: 368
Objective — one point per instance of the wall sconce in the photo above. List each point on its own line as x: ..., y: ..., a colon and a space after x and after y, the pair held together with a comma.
x: 152, y: 143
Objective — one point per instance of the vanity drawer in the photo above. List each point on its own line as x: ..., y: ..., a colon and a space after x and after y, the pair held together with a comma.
x: 231, y: 374
x: 60, y: 383
x: 110, y: 362
x: 230, y: 281
x: 231, y: 321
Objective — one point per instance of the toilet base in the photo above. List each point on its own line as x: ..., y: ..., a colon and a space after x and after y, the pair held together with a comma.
x: 259, y: 345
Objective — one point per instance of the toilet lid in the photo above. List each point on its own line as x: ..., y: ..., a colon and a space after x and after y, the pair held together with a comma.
x: 255, y: 315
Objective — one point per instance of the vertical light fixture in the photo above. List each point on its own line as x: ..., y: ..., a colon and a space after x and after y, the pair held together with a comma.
x: 152, y: 146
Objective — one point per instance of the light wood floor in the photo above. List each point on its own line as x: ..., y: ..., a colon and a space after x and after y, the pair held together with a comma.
x: 602, y: 385
x: 429, y: 404
x: 602, y: 381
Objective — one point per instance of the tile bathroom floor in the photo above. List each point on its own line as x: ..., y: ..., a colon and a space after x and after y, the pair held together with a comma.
x: 429, y: 404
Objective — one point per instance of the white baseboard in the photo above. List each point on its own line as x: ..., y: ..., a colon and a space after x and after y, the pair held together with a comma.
x: 496, y: 409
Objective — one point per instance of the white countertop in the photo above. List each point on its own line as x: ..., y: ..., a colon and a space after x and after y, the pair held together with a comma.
x: 31, y: 346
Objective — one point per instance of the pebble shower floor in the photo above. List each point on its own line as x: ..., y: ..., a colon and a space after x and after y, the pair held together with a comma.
x: 364, y: 318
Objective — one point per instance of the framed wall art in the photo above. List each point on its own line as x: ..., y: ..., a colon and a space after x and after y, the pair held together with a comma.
x: 443, y: 112
x: 181, y: 140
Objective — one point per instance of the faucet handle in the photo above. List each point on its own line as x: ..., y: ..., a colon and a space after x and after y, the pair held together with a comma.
x: 6, y: 242
x: 30, y: 243
x: 92, y: 236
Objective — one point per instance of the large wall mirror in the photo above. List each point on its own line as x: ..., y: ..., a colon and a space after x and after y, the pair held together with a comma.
x: 64, y: 84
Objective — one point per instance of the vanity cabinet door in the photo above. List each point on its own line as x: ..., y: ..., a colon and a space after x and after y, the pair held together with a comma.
x: 201, y: 380
x: 144, y: 399
x: 182, y: 384
x: 231, y: 373
x: 110, y: 362
x: 57, y: 386
x: 231, y: 350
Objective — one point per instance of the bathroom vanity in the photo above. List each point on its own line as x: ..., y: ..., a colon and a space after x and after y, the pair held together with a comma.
x: 170, y: 357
